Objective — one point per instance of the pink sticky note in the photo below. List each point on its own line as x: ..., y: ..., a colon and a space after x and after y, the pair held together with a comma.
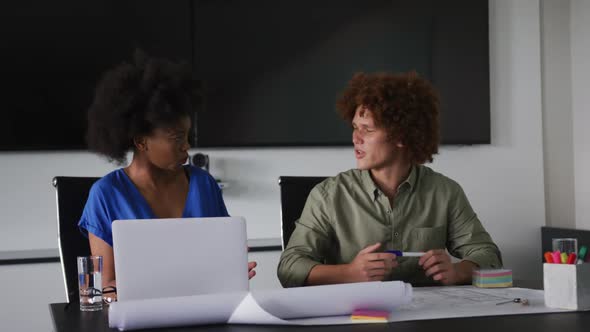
x: 370, y: 313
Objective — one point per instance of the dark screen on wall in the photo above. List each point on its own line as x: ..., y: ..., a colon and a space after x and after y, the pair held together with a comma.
x: 54, y: 52
x: 272, y: 70
x: 273, y: 73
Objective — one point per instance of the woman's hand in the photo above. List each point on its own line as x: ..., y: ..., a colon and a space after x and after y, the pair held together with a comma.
x: 251, y: 271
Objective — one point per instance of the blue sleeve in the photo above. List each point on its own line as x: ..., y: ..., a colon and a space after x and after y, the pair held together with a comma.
x: 218, y: 198
x: 96, y: 218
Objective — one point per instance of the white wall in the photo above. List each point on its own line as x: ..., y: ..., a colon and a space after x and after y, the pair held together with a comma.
x: 557, y: 114
x: 27, y: 291
x: 504, y: 180
x: 28, y: 215
x: 580, y: 44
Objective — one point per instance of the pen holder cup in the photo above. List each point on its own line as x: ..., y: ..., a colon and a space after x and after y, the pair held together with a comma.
x: 567, y: 286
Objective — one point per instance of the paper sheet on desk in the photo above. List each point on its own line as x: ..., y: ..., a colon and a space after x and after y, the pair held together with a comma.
x: 173, y: 311
x: 316, y: 305
x: 469, y: 301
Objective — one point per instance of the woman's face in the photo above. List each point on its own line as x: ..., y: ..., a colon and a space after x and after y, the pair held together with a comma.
x: 373, y: 149
x: 167, y: 148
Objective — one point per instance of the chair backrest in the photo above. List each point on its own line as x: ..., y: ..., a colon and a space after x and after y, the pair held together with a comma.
x: 71, y: 196
x: 550, y: 233
x: 294, y: 192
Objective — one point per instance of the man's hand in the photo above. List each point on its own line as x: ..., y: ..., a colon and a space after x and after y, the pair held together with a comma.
x: 369, y: 265
x: 437, y: 264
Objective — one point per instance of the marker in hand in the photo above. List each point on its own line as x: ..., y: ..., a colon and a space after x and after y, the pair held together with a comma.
x: 400, y: 253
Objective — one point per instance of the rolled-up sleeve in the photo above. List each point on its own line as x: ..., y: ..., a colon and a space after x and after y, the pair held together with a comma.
x: 309, y: 242
x: 467, y: 238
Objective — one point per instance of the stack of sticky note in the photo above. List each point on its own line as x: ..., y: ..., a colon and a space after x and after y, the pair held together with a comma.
x: 369, y: 315
x: 492, y: 278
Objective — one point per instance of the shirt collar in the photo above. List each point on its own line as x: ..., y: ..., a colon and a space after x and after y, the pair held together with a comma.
x: 371, y: 188
x: 412, y: 178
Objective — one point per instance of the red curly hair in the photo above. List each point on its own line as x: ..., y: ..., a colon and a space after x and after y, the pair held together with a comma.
x: 406, y: 105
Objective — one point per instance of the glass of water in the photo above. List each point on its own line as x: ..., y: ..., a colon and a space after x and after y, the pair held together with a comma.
x: 90, y: 282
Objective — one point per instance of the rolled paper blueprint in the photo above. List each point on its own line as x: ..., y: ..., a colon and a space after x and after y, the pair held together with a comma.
x: 261, y: 307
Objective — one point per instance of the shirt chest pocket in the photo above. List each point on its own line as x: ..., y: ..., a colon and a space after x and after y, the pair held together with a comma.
x: 427, y: 238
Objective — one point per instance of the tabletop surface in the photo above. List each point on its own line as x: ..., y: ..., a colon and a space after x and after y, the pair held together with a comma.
x: 69, y: 318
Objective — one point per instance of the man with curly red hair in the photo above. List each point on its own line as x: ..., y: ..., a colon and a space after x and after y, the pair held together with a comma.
x: 391, y: 201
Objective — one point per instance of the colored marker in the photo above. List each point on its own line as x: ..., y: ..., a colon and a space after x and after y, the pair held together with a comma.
x: 582, y: 254
x: 556, y: 257
x: 548, y: 257
x: 571, y: 259
x: 400, y: 253
x: 563, y: 258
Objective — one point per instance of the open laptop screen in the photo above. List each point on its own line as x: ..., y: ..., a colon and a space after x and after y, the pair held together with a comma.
x: 157, y: 258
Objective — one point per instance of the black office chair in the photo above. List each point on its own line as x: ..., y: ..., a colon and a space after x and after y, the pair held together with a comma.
x: 294, y: 192
x: 71, y: 193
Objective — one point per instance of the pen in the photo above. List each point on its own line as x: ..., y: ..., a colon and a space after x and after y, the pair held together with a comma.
x: 400, y: 253
x: 556, y: 257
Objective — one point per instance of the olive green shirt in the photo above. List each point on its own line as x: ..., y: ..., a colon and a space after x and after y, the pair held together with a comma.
x: 348, y: 212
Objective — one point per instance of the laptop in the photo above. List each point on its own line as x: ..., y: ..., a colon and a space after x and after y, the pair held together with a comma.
x: 157, y: 258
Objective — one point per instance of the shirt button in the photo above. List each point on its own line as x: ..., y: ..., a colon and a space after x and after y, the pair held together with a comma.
x: 388, y: 211
x: 396, y: 234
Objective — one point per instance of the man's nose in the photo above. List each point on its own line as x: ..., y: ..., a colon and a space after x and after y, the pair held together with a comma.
x: 356, y: 137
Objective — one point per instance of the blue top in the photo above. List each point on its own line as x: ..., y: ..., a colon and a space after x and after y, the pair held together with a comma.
x: 115, y: 197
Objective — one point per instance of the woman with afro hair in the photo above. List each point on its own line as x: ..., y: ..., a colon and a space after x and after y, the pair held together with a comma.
x: 352, y: 222
x: 145, y: 108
